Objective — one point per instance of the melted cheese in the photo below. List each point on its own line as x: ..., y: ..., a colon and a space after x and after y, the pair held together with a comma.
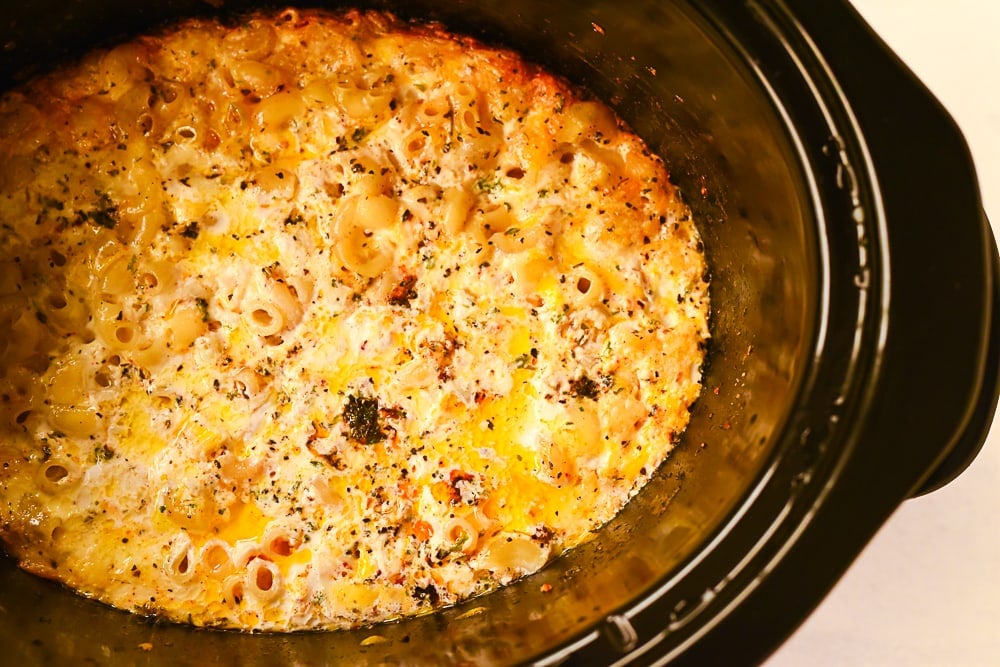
x: 323, y: 320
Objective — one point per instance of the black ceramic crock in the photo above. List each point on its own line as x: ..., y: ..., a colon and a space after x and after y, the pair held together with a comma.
x: 853, y: 362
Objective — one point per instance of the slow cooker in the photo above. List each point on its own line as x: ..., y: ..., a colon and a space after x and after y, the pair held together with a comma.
x: 853, y: 360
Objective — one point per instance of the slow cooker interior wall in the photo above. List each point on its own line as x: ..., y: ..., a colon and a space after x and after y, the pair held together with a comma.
x: 670, y: 75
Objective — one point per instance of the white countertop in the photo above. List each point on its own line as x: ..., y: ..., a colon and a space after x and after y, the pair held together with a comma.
x: 926, y: 590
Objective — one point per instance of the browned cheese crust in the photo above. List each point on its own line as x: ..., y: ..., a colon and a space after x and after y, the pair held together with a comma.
x: 321, y: 320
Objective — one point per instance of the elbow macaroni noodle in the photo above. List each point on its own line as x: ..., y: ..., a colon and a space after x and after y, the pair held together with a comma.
x: 319, y: 320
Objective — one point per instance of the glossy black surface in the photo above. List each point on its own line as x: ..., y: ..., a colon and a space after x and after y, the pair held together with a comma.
x: 849, y: 347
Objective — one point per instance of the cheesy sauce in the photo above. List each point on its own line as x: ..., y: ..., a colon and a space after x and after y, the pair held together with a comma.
x: 319, y: 320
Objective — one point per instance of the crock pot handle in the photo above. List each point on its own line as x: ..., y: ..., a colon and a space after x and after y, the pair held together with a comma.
x: 973, y: 437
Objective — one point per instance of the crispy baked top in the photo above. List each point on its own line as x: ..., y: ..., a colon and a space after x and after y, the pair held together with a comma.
x: 320, y: 320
